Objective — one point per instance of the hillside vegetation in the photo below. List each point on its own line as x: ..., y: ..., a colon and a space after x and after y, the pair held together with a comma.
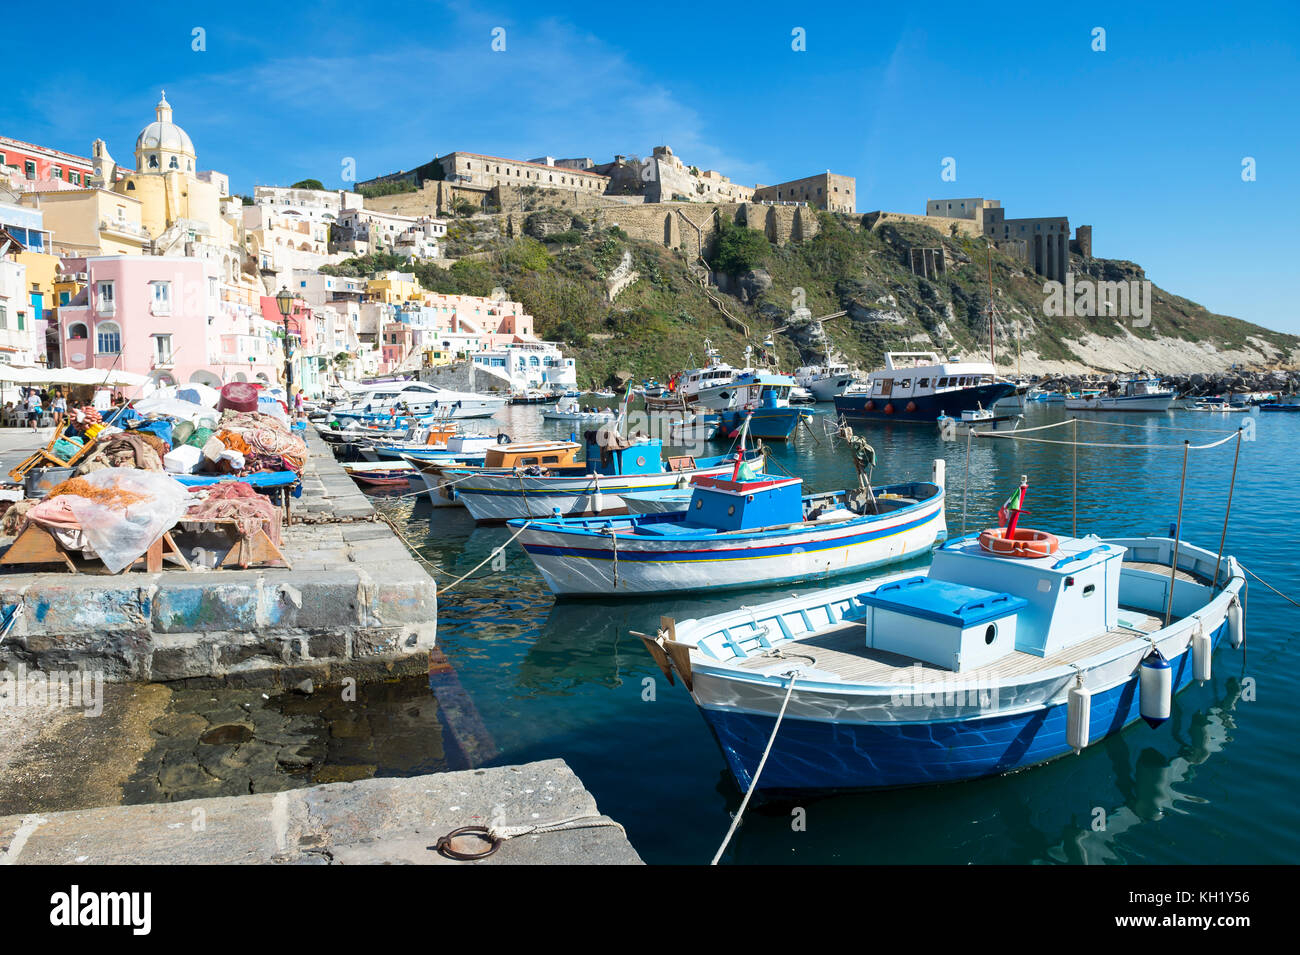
x: 659, y: 323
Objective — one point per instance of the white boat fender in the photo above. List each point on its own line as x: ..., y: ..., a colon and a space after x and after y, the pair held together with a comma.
x: 1155, y: 688
x: 597, y: 499
x: 939, y: 472
x: 1078, y: 716
x: 1236, y: 622
x: 1202, y: 650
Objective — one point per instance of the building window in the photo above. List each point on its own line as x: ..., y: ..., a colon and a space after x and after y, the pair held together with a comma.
x: 173, y: 164
x: 108, y: 338
x: 4, y: 316
x: 29, y: 169
x: 106, y: 299
x: 162, y: 298
x: 162, y: 349
x: 56, y: 173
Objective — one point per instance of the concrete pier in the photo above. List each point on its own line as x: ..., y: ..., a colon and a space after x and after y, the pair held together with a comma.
x: 356, y: 604
x: 372, y: 821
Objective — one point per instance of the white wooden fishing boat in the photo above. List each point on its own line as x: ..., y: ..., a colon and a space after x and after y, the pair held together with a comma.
x: 542, y: 490
x: 986, y: 664
x: 737, y: 531
x: 1136, y: 394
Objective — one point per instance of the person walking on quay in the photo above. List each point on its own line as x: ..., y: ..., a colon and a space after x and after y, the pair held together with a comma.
x: 34, y: 408
x: 59, y: 407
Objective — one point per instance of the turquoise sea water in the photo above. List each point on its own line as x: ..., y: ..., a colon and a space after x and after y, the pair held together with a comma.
x: 1215, y: 784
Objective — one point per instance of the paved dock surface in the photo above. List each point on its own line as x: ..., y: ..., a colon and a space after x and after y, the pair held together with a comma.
x: 372, y: 821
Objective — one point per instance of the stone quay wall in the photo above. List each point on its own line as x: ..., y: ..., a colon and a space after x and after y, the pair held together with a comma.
x: 356, y: 605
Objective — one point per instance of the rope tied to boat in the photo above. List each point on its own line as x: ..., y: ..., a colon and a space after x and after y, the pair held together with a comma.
x: 753, y: 783
x: 496, y: 835
x: 1289, y: 600
x: 524, y: 527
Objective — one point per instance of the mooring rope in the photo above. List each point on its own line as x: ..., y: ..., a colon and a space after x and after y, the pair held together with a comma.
x: 1268, y: 585
x: 526, y: 525
x: 1016, y: 436
x: 753, y: 783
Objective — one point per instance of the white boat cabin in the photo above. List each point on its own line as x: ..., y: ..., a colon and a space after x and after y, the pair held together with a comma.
x: 911, y: 374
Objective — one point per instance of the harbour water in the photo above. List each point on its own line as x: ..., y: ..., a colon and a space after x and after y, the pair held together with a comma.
x: 1213, y: 785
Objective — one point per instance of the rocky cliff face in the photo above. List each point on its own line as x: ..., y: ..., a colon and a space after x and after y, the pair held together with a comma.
x: 1107, y: 318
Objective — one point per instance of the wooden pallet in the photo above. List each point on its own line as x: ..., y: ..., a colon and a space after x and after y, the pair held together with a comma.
x: 36, y: 545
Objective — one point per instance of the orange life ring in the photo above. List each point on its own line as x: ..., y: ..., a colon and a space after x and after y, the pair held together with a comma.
x: 911, y: 406
x: 889, y: 408
x: 871, y: 406
x: 1026, y: 543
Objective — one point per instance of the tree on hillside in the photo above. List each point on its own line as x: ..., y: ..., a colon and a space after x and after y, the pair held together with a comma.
x: 308, y: 184
x: 739, y: 249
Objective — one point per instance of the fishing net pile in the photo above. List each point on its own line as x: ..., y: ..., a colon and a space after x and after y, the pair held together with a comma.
x: 266, y: 442
x: 236, y: 500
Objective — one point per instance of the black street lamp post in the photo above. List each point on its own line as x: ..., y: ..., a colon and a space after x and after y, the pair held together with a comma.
x: 284, y: 302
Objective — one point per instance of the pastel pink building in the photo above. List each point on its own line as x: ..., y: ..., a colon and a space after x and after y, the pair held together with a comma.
x: 166, y: 317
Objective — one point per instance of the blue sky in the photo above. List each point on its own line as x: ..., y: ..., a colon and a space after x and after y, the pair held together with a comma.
x: 1144, y: 141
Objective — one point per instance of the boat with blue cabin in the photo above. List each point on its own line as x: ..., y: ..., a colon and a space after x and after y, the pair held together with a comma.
x: 992, y: 661
x: 918, y: 387
x: 743, y: 530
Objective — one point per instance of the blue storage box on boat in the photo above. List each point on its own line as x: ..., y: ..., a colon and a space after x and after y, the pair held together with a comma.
x: 936, y: 621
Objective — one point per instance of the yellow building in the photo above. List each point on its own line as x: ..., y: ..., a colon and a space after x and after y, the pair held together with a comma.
x: 394, y: 288
x: 91, y: 221
x: 178, y: 203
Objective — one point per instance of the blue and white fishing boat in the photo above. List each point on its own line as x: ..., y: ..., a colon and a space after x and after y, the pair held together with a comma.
x: 763, y: 399
x: 1015, y: 648
x: 613, y: 464
x: 467, y: 448
x: 741, y: 530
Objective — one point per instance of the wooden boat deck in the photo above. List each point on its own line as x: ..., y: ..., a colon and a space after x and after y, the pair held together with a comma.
x: 1163, y: 571
x: 840, y: 650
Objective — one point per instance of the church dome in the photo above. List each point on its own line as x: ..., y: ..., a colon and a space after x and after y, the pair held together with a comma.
x: 162, y: 145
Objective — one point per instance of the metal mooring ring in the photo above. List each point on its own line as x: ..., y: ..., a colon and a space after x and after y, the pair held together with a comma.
x: 444, y: 846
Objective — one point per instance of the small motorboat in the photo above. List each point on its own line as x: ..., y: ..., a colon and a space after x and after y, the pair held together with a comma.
x: 381, y: 474
x: 981, y: 419
x: 1135, y: 394
x: 568, y: 409
x: 658, y: 502
x: 695, y: 429
x: 1291, y: 404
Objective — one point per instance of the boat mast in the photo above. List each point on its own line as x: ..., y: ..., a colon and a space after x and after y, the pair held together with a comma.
x: 988, y: 257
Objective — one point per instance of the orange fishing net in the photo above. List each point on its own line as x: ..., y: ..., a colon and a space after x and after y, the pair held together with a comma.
x: 109, y: 497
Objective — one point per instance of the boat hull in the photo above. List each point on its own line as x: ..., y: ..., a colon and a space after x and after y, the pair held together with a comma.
x: 925, y: 408
x: 842, y: 754
x: 772, y: 424
x: 583, y: 564
x: 1151, y: 403
x: 505, y: 496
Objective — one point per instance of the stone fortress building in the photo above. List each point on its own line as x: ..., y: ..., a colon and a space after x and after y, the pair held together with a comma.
x: 1042, y: 243
x: 490, y: 181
